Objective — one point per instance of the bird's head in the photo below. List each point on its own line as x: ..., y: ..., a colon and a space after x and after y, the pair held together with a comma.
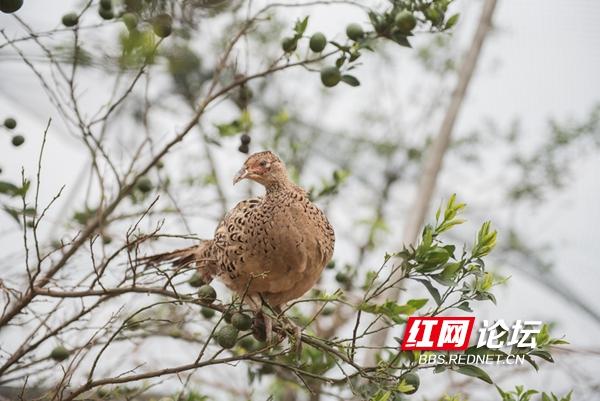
x: 263, y: 167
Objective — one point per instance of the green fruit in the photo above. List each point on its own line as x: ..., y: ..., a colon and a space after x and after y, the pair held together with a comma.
x: 130, y: 20
x: 106, y: 4
x: 133, y: 5
x: 207, y: 294
x: 10, y: 123
x: 405, y: 21
x: 342, y: 278
x: 106, y: 14
x: 226, y: 337
x: 207, y: 313
x: 434, y: 15
x: 59, y: 353
x: 330, y: 76
x: 317, y: 42
x: 241, y: 321
x: 18, y: 140
x: 354, y: 31
x: 196, y: 281
x: 10, y: 6
x: 289, y: 44
x: 144, y: 185
x: 249, y: 344
x: 162, y: 25
x: 412, y: 379
x: 70, y: 19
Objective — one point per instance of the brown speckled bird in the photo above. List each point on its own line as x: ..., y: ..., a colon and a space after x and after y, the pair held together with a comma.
x: 271, y: 248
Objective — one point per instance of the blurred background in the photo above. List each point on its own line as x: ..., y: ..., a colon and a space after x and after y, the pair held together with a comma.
x: 524, y: 153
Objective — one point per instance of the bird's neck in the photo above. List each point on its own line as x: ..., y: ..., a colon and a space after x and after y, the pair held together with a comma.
x: 279, y: 186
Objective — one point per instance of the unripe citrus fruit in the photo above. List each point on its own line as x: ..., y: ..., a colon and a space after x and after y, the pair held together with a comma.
x: 18, y: 140
x: 405, y: 21
x: 70, y: 19
x: 106, y: 14
x: 354, y: 31
x: 207, y: 294
x: 412, y: 379
x: 330, y: 76
x: 130, y: 20
x: 59, y: 353
x: 207, y: 313
x: 10, y: 123
x: 317, y: 42
x: 289, y: 45
x: 10, y: 6
x: 227, y: 335
x: 241, y: 321
x: 196, y: 281
x: 144, y: 184
x: 162, y: 25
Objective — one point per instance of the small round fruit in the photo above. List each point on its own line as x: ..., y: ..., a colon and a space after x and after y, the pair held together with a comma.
x: 207, y: 313
x: 249, y: 344
x: 405, y: 21
x: 144, y: 185
x: 317, y: 42
x: 434, y: 15
x: 207, y: 294
x: 244, y: 148
x: 241, y: 321
x: 106, y: 14
x: 10, y: 123
x: 330, y: 76
x: 412, y: 379
x: 70, y: 19
x: 130, y: 20
x: 289, y: 44
x: 18, y: 140
x: 245, y: 139
x: 162, y: 25
x: 227, y: 336
x: 342, y: 278
x: 106, y: 4
x: 59, y: 353
x: 354, y: 31
x: 196, y: 281
x: 134, y: 5
x: 10, y: 6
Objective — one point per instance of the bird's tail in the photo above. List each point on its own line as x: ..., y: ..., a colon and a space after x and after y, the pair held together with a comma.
x: 199, y: 256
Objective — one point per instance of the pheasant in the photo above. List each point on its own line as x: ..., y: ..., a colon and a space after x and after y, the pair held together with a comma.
x: 268, y: 249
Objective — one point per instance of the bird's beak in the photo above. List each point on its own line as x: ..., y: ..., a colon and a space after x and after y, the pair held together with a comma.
x: 243, y: 173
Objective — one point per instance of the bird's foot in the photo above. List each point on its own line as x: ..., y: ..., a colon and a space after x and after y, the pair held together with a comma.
x: 262, y: 328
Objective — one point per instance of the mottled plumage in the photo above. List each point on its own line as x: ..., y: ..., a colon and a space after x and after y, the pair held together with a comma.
x: 274, y: 247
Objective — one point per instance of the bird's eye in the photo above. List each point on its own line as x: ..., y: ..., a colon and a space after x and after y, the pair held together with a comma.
x: 263, y: 163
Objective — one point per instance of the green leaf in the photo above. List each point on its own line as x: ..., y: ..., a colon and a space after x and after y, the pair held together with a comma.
x: 545, y: 355
x: 8, y: 188
x: 435, y: 294
x: 474, y: 371
x: 350, y: 80
x: 300, y: 26
x: 464, y: 306
x: 452, y: 21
